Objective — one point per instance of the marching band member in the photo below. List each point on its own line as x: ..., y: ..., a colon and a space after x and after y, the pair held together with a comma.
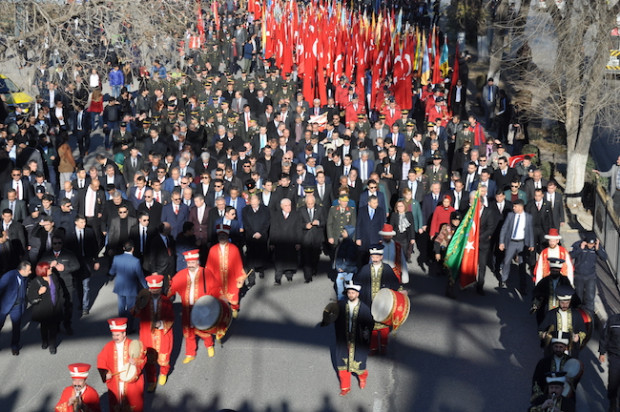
x: 79, y: 396
x: 121, y: 369
x: 192, y: 283
x: 156, y: 319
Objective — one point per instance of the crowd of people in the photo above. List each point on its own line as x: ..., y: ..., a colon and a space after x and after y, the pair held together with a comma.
x: 212, y: 172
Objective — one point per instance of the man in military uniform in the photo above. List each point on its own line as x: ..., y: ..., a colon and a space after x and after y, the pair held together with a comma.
x: 372, y: 277
x: 339, y: 216
x: 362, y: 124
x: 436, y: 172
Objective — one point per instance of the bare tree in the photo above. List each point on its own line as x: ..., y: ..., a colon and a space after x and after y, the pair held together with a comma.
x: 568, y: 85
x: 93, y: 32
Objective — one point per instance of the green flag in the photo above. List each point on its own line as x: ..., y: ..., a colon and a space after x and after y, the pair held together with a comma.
x: 456, y: 248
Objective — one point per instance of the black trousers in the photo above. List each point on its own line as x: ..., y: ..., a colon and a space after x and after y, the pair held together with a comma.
x: 49, y: 330
x: 614, y: 379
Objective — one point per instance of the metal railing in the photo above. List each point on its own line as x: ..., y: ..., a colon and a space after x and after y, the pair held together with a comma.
x: 605, y: 225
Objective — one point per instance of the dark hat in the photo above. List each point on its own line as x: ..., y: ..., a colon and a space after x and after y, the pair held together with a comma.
x: 361, y: 116
x: 430, y: 124
x: 382, y: 116
x: 556, y: 263
x: 564, y: 292
x: 465, y: 124
x: 309, y: 189
x: 500, y: 146
x: 410, y: 123
x: 590, y: 237
x: 110, y: 186
x: 404, y: 111
x: 39, y: 189
x: 146, y: 121
x: 437, y: 155
x: 439, y: 99
x: 376, y: 250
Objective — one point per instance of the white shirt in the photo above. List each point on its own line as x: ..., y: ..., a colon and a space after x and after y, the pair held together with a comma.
x: 200, y: 212
x: 352, y: 306
x: 91, y: 199
x: 192, y: 279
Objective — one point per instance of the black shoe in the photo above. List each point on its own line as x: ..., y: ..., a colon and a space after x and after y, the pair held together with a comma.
x: 85, y: 312
x: 480, y: 291
x: 289, y: 279
x: 44, y: 345
x: 52, y: 350
x: 69, y: 331
x: 502, y: 284
x: 277, y: 283
x: 307, y: 280
x: 261, y: 275
x: 450, y: 293
x: 15, y: 352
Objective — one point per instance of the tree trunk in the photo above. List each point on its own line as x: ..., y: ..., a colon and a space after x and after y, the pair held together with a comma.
x: 575, y: 177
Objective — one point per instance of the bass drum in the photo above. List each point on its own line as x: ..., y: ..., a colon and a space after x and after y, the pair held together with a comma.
x: 574, y: 369
x: 390, y: 308
x: 211, y: 315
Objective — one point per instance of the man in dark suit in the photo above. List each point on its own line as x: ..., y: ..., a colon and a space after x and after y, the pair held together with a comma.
x: 488, y: 222
x: 90, y: 204
x: 13, y: 286
x: 160, y: 255
x: 536, y: 182
x: 485, y: 180
x: 504, y: 174
x: 132, y: 164
x: 417, y: 187
x: 323, y: 192
x: 554, y: 199
x: 152, y: 208
x: 82, y: 241
x: 118, y: 231
x: 313, y: 221
x: 66, y: 265
x: 128, y: 280
x: 460, y: 197
x: 285, y: 240
x: 14, y: 229
x: 542, y: 218
x: 501, y: 207
x: 17, y: 207
x: 81, y: 129
x: 256, y: 221
x: 199, y: 216
x: 141, y: 233
x: 370, y: 220
x: 21, y: 185
x: 175, y: 213
x: 516, y: 239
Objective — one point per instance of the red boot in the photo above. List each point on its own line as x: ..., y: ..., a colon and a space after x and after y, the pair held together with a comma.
x: 362, y: 379
x: 345, y: 382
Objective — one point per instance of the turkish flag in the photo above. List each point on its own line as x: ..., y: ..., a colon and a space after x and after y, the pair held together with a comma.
x: 469, y: 264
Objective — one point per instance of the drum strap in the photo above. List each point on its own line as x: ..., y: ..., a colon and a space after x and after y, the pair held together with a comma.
x: 204, y: 281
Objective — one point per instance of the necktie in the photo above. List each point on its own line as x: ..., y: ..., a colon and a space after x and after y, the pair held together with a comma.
x: 514, y: 232
x: 311, y: 214
x: 435, y: 198
x: 48, y: 244
x: 503, y: 173
x: 372, y: 213
x: 176, y: 209
x: 143, y: 239
x: 81, y: 242
x: 12, y: 207
x: 457, y: 199
x: 538, y: 205
x: 56, y: 254
x: 321, y: 190
x: 157, y: 198
x: 139, y: 196
x: 18, y: 187
x: 79, y: 120
x: 134, y: 162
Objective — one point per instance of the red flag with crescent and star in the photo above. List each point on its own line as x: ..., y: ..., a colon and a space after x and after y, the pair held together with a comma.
x: 469, y: 264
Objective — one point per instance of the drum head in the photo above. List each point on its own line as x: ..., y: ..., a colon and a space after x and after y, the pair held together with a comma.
x: 143, y: 299
x: 330, y: 313
x: 129, y: 373
x: 135, y: 349
x: 382, y: 305
x: 572, y: 367
x: 206, y: 312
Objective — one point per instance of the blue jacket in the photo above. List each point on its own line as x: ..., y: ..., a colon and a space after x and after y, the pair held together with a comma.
x: 11, y: 292
x: 585, y: 259
x: 116, y: 78
x: 129, y: 276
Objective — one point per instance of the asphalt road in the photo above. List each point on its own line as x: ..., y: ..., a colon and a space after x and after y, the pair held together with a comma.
x: 473, y: 354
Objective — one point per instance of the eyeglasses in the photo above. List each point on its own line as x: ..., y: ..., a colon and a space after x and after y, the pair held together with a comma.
x: 372, y: 187
x: 514, y: 185
x: 122, y: 212
x: 184, y: 183
x: 217, y: 185
x: 159, y: 172
x: 16, y: 174
x: 246, y: 165
x: 175, y: 199
x: 148, y: 196
x: 204, y: 177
